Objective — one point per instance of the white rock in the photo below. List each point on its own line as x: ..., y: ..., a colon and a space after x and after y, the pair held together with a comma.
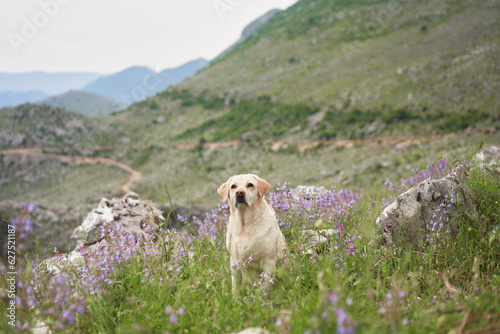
x: 41, y: 328
x: 130, y: 211
x: 308, y: 192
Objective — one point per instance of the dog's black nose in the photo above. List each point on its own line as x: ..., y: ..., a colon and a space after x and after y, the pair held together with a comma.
x: 240, y: 193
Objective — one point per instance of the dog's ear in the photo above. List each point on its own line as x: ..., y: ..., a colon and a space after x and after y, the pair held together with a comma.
x: 224, y: 190
x: 262, y: 185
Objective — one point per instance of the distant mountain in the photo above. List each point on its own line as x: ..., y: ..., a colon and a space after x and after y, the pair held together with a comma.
x: 172, y: 76
x: 137, y: 83
x: 11, y: 99
x: 250, y: 30
x: 83, y: 103
x: 49, y: 83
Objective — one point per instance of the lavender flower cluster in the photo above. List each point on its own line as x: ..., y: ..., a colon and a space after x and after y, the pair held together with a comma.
x: 61, y: 297
x: 259, y: 291
x: 333, y: 314
x: 345, y: 323
x: 393, y: 309
x: 432, y: 171
x: 332, y: 209
x: 439, y: 223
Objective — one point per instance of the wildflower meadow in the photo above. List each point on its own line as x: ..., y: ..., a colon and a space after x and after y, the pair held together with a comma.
x: 176, y: 280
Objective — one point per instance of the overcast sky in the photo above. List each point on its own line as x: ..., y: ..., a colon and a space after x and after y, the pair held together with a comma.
x: 107, y: 36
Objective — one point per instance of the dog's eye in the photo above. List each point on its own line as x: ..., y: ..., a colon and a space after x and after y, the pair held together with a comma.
x: 233, y: 186
x: 250, y: 185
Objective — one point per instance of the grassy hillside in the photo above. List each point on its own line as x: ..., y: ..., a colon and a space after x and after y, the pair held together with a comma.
x: 341, y: 70
x: 441, y: 55
x: 194, y: 173
x: 49, y: 182
x: 83, y: 103
x: 31, y: 125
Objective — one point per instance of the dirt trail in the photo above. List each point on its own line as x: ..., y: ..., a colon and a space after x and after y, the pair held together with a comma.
x: 398, y: 142
x: 78, y: 160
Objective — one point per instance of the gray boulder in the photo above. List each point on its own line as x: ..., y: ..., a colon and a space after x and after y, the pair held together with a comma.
x: 419, y: 214
x: 130, y: 211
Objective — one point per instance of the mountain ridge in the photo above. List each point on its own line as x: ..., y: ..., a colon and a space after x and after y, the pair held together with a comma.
x: 12, y: 99
x: 83, y: 103
x: 50, y: 83
x: 136, y: 83
x: 249, y: 30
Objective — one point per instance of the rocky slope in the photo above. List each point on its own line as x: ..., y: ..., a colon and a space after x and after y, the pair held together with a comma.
x: 32, y: 125
x: 367, y: 53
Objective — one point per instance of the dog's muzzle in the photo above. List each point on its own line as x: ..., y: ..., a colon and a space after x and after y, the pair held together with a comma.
x: 240, y: 199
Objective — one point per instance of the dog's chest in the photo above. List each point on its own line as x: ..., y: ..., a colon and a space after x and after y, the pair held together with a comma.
x: 243, y: 242
x: 242, y: 246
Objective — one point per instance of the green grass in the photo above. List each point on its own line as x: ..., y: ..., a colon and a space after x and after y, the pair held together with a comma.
x: 45, y: 181
x: 470, y: 264
x: 438, y: 289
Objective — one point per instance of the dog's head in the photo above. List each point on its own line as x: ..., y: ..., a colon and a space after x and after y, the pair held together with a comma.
x: 243, y: 190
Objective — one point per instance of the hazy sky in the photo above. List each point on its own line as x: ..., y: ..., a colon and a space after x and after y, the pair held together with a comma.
x: 107, y: 36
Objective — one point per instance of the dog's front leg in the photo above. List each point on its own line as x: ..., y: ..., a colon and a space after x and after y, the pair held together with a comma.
x: 236, y: 277
x: 269, y: 266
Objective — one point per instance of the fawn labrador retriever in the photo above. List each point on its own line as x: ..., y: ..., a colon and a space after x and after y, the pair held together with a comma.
x: 252, y: 227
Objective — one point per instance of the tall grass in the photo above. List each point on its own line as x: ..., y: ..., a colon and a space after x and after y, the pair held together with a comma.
x: 175, y: 281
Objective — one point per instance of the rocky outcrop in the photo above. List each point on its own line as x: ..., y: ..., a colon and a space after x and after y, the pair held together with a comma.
x: 429, y: 207
x: 308, y: 192
x: 130, y: 211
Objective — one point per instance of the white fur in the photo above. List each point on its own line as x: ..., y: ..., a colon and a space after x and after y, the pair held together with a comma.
x: 252, y: 228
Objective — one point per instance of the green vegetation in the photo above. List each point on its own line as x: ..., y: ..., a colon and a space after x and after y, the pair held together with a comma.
x: 345, y: 93
x: 339, y: 124
x: 261, y: 119
x: 44, y: 181
x: 188, y: 99
x: 373, y: 52
x: 182, y: 282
